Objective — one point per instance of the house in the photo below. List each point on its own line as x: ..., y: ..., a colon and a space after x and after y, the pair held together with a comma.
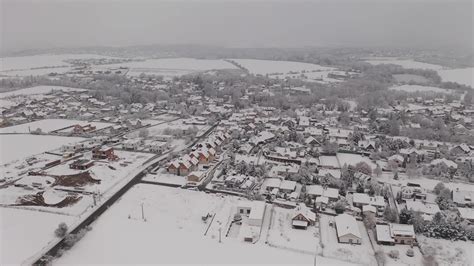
x: 272, y: 183
x: 81, y: 164
x: 463, y: 198
x: 396, y: 160
x: 83, y: 129
x: 426, y: 208
x: 403, y: 233
x: 303, y: 217
x: 204, y: 155
x: 196, y: 176
x: 73, y: 147
x: 361, y: 199
x: 368, y: 145
x: 383, y: 235
x: 255, y: 211
x: 347, y: 229
x: 157, y: 146
x: 181, y: 166
x: 316, y: 191
x: 102, y: 153
x: 131, y: 144
x: 461, y: 149
x: 467, y: 214
x: 287, y: 186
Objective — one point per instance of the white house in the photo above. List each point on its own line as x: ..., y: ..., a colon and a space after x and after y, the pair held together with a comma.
x: 347, y: 229
x: 255, y: 210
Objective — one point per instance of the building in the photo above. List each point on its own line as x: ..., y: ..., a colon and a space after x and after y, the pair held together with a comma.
x: 463, y: 198
x: 182, y: 166
x: 347, y: 229
x: 303, y: 217
x: 391, y: 234
x: 255, y: 211
x: 81, y: 164
x: 287, y: 186
x: 157, y: 147
x: 361, y: 199
x: 83, y: 129
x: 103, y: 153
x: 467, y: 214
x: 196, y: 176
x: 131, y: 144
x: 316, y: 191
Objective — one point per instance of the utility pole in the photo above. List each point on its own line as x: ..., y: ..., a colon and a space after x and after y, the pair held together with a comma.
x: 220, y: 229
x: 143, y: 213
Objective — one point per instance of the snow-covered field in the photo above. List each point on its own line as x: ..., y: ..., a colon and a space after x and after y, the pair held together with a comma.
x: 37, y: 90
x: 172, y: 66
x: 448, y: 252
x: 418, y: 88
x: 14, y: 147
x: 463, y: 76
x: 23, y: 233
x: 173, y: 233
x: 48, y: 125
x: 41, y: 61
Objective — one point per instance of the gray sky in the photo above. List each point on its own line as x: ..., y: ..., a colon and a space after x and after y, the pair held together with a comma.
x: 265, y: 23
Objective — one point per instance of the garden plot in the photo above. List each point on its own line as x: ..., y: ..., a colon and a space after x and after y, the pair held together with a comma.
x: 15, y: 147
x: 403, y: 259
x: 171, y: 66
x: 25, y: 232
x: 38, y: 90
x: 418, y: 88
x: 353, y: 159
x: 448, y: 252
x: 48, y: 125
x: 173, y: 224
x: 283, y: 235
x: 362, y: 253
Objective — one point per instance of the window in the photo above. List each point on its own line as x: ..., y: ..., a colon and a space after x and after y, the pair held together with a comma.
x: 241, y: 211
x: 248, y: 211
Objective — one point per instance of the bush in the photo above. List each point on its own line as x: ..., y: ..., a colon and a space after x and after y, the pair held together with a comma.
x: 61, y: 230
x: 394, y: 254
x: 380, y: 257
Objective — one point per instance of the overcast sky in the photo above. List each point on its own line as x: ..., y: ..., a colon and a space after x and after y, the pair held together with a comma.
x: 265, y: 23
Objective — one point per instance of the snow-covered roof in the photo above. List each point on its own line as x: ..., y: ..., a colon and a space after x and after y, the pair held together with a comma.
x: 463, y: 196
x: 445, y: 161
x: 305, y: 211
x: 466, y: 213
x: 288, y: 185
x: 383, y: 233
x: 318, y: 190
x: 273, y: 182
x: 402, y: 230
x: 347, y: 224
x: 362, y: 198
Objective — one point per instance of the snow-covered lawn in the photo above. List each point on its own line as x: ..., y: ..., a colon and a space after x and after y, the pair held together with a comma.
x: 173, y: 125
x: 172, y: 66
x: 448, y: 252
x: 264, y: 67
x: 23, y: 233
x: 14, y: 147
x: 173, y: 233
x: 418, y: 88
x: 463, y: 76
x: 163, y: 177
x: 37, y: 90
x: 362, y: 253
x: 353, y: 159
x: 282, y: 234
x: 48, y: 125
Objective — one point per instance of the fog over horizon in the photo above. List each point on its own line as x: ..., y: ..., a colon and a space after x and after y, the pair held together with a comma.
x: 385, y: 23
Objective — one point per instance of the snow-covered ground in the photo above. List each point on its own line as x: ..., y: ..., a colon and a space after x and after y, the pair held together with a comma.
x: 448, y: 252
x: 173, y: 233
x: 48, y: 125
x: 37, y: 90
x: 23, y: 233
x: 14, y: 147
x: 418, y: 88
x: 41, y: 61
x: 362, y: 253
x: 172, y: 66
x: 353, y: 159
x: 264, y: 67
x: 463, y: 76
